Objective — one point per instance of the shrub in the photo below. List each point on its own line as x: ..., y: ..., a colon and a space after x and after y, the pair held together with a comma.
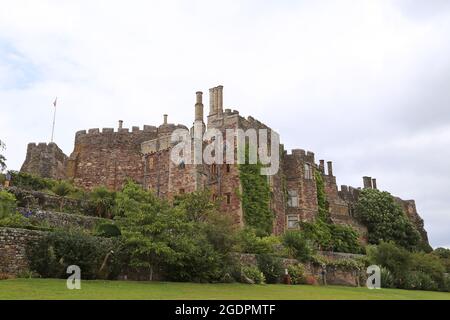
x: 249, y: 242
x: 62, y: 189
x: 385, y: 219
x: 28, y: 181
x: 7, y: 204
x: 254, y: 274
x: 387, y: 279
x: 271, y: 267
x: 418, y: 280
x: 51, y: 255
x: 298, y: 246
x: 394, y: 258
x: 108, y: 230
x: 104, y: 201
x: 311, y: 280
x: 297, y: 273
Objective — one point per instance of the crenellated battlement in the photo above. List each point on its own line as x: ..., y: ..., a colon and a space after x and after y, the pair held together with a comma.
x: 134, y: 130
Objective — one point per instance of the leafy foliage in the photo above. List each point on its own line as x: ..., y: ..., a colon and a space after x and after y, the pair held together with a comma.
x: 2, y: 157
x: 168, y: 239
x: 384, y: 219
x: 51, y: 255
x: 28, y: 181
x: 254, y: 274
x: 250, y: 242
x: 255, y: 197
x: 297, y: 274
x: 107, y: 230
x: 104, y: 201
x: 271, y: 267
x: 298, y: 246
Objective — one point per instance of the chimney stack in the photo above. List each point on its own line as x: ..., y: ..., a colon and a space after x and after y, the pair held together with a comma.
x: 216, y: 100
x: 330, y: 168
x: 165, y: 119
x: 120, y: 124
x: 219, y: 106
x: 374, y: 183
x: 367, y: 182
x: 199, y: 106
x: 322, y: 166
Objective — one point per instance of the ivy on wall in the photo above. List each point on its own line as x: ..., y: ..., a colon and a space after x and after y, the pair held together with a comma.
x: 255, y: 197
x: 326, y: 235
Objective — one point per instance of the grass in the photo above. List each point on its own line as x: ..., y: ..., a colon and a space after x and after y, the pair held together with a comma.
x: 56, y: 289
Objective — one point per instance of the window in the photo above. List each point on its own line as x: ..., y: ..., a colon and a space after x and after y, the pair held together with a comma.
x: 308, y: 171
x: 213, y: 169
x: 151, y: 163
x: 182, y: 165
x: 228, y: 168
x: 292, y: 222
x: 228, y: 198
x: 292, y: 199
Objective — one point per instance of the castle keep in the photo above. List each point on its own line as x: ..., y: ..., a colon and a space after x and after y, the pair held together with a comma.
x: 109, y: 156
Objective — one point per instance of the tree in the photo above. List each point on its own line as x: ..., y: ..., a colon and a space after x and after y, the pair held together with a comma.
x: 147, y: 227
x: 2, y: 157
x: 103, y: 200
x: 298, y: 246
x: 385, y: 220
x: 187, y: 241
x: 62, y: 189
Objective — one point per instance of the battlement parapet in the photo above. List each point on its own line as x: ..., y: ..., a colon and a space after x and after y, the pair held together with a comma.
x: 135, y: 130
x: 301, y: 154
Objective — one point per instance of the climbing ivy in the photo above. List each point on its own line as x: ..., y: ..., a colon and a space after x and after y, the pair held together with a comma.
x: 323, y: 232
x: 321, y: 197
x: 255, y: 197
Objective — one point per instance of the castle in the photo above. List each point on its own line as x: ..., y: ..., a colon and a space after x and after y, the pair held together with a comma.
x: 108, y: 157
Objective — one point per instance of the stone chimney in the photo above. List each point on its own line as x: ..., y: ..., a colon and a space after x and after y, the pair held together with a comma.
x: 199, y: 106
x: 165, y: 119
x: 374, y: 183
x: 216, y: 100
x: 367, y: 182
x: 120, y: 124
x: 330, y: 168
x: 219, y: 107
x: 322, y: 166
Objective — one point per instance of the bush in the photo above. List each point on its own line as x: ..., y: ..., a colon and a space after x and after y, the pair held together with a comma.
x: 254, y: 274
x: 104, y: 201
x: 385, y: 219
x: 7, y: 204
x: 297, y: 274
x: 28, y: 181
x: 387, y: 279
x: 249, y: 242
x: 271, y: 267
x: 298, y: 246
x: 394, y: 258
x: 418, y: 280
x: 51, y: 255
x: 107, y: 230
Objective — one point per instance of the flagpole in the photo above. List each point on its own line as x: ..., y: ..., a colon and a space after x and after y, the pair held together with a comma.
x: 54, y: 117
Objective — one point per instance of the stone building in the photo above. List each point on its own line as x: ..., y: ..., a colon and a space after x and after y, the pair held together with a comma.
x: 110, y: 156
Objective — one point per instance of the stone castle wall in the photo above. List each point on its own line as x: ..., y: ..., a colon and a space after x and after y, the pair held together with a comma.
x: 45, y: 160
x: 13, y: 245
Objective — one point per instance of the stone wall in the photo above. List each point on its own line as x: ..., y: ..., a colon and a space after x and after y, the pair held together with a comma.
x: 40, y: 200
x: 333, y: 276
x: 45, y: 160
x: 62, y: 220
x: 13, y: 244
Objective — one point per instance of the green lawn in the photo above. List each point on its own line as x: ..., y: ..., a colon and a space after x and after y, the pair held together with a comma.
x: 56, y: 289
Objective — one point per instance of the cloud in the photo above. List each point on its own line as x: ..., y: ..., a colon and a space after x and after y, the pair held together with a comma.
x: 362, y: 83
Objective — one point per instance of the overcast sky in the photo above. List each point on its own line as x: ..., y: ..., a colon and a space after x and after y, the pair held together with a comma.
x: 363, y: 83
